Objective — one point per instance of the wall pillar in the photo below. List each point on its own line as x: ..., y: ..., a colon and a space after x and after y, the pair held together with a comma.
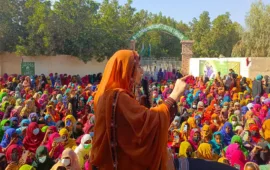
x: 186, y: 55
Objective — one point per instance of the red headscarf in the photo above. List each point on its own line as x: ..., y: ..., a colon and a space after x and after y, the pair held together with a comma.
x: 31, y: 142
x: 255, y: 128
x: 10, y: 149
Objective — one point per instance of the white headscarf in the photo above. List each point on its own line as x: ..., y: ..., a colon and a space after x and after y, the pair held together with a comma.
x: 81, y: 151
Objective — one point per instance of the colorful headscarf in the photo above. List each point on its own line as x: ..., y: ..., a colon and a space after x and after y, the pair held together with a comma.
x: 217, y: 148
x: 205, y: 151
x: 227, y: 136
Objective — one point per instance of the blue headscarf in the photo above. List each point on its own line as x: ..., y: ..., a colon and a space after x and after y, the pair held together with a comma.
x: 11, y: 122
x: 7, y: 137
x: 89, y: 99
x: 51, y: 123
x: 20, y: 130
x: 259, y: 77
x: 32, y: 115
x: 52, y: 80
x: 33, y: 82
x: 24, y: 121
x: 244, y: 110
x: 93, y: 88
x: 65, y: 101
x: 196, y: 118
x: 227, y: 136
x: 225, y: 99
x: 190, y: 99
x: 217, y: 148
x: 197, y: 95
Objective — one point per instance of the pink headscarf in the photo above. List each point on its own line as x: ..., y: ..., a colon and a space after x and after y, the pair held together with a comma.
x: 193, y: 144
x: 256, y: 109
x: 263, y: 113
x: 58, y: 150
x: 42, y: 99
x: 238, y: 158
x: 230, y: 150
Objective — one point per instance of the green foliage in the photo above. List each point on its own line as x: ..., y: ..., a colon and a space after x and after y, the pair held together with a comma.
x: 215, y: 38
x: 256, y: 39
x: 90, y: 30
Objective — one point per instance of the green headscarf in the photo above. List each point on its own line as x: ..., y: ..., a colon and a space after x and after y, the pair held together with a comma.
x: 2, y: 124
x: 230, y: 120
x: 26, y: 167
x: 18, y: 102
x: 2, y: 95
x: 42, y: 150
x: 44, y: 128
x: 4, y: 106
x: 238, y: 139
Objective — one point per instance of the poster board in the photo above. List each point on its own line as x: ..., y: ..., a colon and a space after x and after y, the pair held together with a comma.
x: 28, y: 68
x: 211, y: 67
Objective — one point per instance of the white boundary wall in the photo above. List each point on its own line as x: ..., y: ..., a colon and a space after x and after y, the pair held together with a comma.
x: 257, y: 65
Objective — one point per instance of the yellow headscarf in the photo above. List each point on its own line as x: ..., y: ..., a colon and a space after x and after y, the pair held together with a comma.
x: 249, y: 121
x: 266, y: 130
x: 192, y: 123
x: 71, y: 118
x: 206, y: 131
x: 222, y: 160
x: 183, y: 149
x: 27, y: 167
x: 205, y: 151
x: 70, y: 143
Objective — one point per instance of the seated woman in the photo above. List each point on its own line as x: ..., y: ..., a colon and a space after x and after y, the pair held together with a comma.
x: 13, y: 154
x: 33, y: 137
x: 69, y: 160
x: 205, y: 152
x: 43, y: 160
x: 68, y: 143
x: 217, y: 143
x: 194, y: 138
x: 185, y: 150
x: 55, y: 149
x: 84, y: 149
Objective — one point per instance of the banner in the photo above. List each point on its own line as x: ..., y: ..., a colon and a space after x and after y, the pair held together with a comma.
x: 211, y: 67
x: 28, y: 68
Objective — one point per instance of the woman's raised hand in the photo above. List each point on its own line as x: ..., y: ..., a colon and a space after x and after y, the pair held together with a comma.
x: 179, y: 88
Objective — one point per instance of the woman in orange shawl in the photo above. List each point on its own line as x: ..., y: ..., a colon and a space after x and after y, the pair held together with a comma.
x: 146, y: 129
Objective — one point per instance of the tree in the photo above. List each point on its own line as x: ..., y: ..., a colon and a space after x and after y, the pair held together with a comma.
x: 38, y: 40
x: 200, y: 30
x: 13, y: 20
x: 214, y: 38
x: 257, y: 37
x: 90, y: 30
x: 224, y: 35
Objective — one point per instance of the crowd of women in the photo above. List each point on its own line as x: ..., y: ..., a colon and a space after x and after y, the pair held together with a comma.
x: 48, y: 122
x: 223, y: 119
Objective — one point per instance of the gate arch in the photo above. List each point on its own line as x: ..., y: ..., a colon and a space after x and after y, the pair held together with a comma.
x: 186, y: 43
x: 160, y: 27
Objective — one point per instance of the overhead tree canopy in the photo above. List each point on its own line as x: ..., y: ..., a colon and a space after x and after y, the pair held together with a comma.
x: 91, y: 30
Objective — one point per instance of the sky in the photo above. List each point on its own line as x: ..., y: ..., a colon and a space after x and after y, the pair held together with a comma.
x: 186, y: 10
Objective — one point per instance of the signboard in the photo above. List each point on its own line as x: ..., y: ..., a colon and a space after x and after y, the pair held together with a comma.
x: 28, y: 68
x: 211, y: 67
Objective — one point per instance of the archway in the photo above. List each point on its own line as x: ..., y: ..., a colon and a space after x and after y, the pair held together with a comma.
x: 186, y: 44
